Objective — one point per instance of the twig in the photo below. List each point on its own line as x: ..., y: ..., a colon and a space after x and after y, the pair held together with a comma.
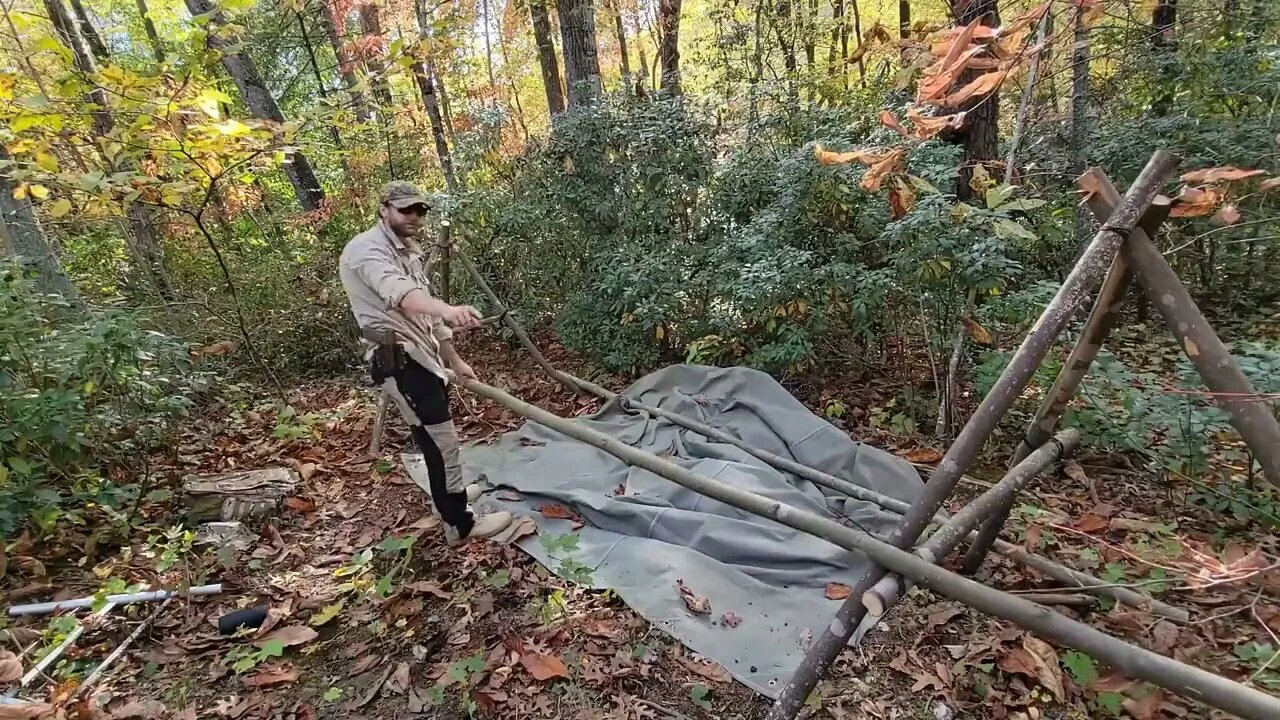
x: 115, y: 654
x: 1275, y: 640
x: 662, y: 709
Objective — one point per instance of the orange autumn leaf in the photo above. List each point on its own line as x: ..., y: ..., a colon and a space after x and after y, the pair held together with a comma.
x: 544, y: 667
x: 828, y: 157
x: 1197, y: 202
x: 891, y: 122
x: 980, y: 86
x: 1220, y: 174
x: 837, y: 591
x: 880, y: 169
x: 940, y: 76
x: 901, y: 199
x: 925, y: 128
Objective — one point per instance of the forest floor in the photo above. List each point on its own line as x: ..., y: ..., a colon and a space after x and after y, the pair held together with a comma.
x: 366, y: 623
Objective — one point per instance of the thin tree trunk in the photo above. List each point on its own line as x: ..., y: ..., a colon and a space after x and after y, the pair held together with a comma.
x: 371, y: 28
x: 142, y: 240
x: 904, y: 19
x: 423, y: 73
x: 857, y: 31
x: 547, y: 56
x: 321, y: 85
x: 442, y: 90
x: 488, y: 49
x: 511, y: 81
x: 1020, y: 124
x: 581, y: 58
x: 981, y: 137
x: 262, y: 105
x: 621, y: 30
x: 346, y: 65
x: 24, y: 239
x: 837, y: 25
x: 1080, y: 116
x: 1164, y: 21
x: 89, y: 32
x: 669, y: 49
x: 149, y: 27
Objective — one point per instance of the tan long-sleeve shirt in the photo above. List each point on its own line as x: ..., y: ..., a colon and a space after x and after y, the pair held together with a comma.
x: 378, y: 269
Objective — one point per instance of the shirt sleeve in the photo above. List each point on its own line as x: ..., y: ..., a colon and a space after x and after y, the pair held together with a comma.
x: 378, y: 269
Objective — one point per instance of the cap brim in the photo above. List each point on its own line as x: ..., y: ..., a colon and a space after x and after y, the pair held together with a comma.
x: 404, y: 202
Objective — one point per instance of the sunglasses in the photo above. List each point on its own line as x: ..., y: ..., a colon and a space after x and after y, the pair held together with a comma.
x: 417, y: 209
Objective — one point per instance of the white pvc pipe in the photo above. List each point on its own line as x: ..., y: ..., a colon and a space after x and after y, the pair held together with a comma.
x: 52, y: 607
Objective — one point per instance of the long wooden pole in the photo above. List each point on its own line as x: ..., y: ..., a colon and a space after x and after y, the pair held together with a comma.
x: 1074, y: 370
x: 1071, y: 296
x: 1123, y: 657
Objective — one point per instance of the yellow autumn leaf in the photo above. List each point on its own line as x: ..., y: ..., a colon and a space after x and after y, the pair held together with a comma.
x: 60, y: 207
x: 660, y: 332
x: 46, y: 161
x: 20, y: 192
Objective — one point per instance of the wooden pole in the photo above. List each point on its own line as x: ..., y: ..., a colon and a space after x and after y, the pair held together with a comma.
x: 1073, y: 294
x: 1233, y: 391
x: 1121, y: 656
x: 1073, y: 372
x: 889, y: 590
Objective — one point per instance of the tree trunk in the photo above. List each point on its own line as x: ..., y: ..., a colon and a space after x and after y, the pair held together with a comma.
x: 488, y: 49
x: 581, y: 59
x: 669, y: 47
x: 981, y: 136
x: 1080, y: 116
x: 23, y: 238
x: 838, y: 30
x: 346, y: 65
x: 89, y: 32
x: 904, y: 19
x: 321, y: 85
x: 244, y: 71
x: 547, y: 56
x: 1164, y: 21
x: 621, y: 29
x: 423, y: 74
x: 141, y: 238
x: 157, y: 47
x: 857, y: 31
x: 371, y: 28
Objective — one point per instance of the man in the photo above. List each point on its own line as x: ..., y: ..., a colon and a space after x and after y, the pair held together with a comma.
x: 409, y: 345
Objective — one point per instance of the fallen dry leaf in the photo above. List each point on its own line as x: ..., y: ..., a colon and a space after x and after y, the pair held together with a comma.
x: 557, y: 512
x: 26, y: 711
x: 10, y: 667
x: 1228, y: 215
x: 924, y: 456
x: 731, y: 619
x: 289, y: 636
x: 300, y: 504
x: 306, y: 470
x: 695, y: 603
x: 1164, y: 637
x: 139, y: 710
x: 901, y: 199
x: 1220, y: 174
x: 606, y: 628
x: 837, y: 591
x: 1091, y: 523
x: 1147, y: 707
x: 977, y: 332
x: 884, y: 166
x: 713, y: 671
x: 277, y: 675
x: 829, y: 157
x: 398, y: 682
x: 891, y: 122
x: 430, y: 588
x: 1269, y: 184
x: 941, y: 617
x: 544, y: 667
x: 1048, y: 671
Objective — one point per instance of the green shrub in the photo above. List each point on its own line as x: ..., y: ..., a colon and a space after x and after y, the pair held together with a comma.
x: 84, y: 393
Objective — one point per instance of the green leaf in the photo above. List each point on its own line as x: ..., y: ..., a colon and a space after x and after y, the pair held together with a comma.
x: 1023, y: 205
x: 1007, y: 229
x: 1114, y: 572
x: 1112, y: 702
x: 327, y: 613
x: 922, y: 184
x: 333, y: 694
x: 499, y: 579
x: 271, y: 648
x: 1082, y: 667
x: 997, y: 195
x: 20, y: 466
x: 701, y: 696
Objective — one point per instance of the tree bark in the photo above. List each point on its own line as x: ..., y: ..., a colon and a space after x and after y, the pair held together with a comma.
x: 89, y: 32
x: 1164, y: 21
x: 244, y: 71
x: 904, y: 19
x: 581, y: 58
x: 1024, y: 106
x: 149, y: 27
x: 669, y: 47
x: 143, y: 243
x: 1080, y: 114
x: 982, y: 116
x: 839, y: 33
x: 321, y: 85
x: 547, y: 56
x: 371, y: 28
x: 24, y: 239
x: 346, y: 65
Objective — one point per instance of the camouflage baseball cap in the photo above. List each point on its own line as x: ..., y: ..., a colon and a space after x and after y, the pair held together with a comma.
x: 401, y: 194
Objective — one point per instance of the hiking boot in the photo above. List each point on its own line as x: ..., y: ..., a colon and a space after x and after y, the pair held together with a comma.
x: 486, y: 526
x: 473, y: 491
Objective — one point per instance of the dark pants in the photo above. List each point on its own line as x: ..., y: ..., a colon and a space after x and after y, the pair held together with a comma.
x: 426, y: 396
